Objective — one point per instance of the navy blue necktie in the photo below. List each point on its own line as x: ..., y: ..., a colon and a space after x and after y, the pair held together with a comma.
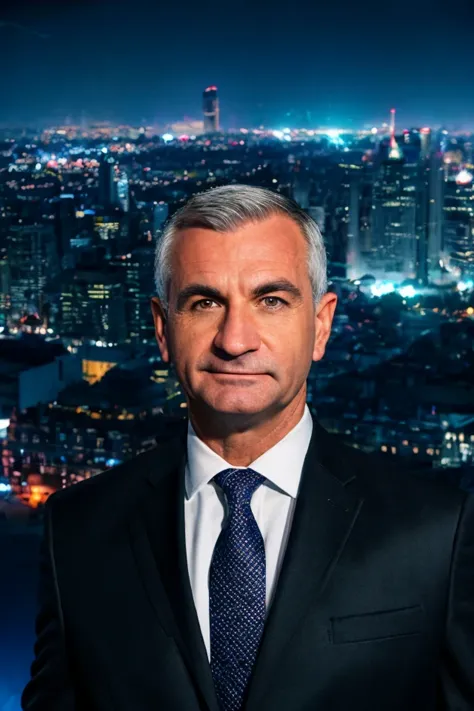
x: 237, y: 585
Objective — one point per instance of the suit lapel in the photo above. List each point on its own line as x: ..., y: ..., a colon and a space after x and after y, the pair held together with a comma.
x: 325, y: 512
x: 158, y: 542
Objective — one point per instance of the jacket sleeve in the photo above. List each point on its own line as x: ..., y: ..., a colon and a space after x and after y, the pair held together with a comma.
x: 457, y: 670
x: 50, y: 686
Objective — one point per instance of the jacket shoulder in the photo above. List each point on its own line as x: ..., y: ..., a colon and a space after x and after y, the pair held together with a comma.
x: 112, y: 490
x: 392, y: 481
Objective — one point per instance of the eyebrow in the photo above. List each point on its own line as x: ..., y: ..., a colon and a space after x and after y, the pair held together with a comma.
x: 195, y: 289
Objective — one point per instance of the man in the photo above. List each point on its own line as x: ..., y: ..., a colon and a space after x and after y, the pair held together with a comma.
x: 252, y: 561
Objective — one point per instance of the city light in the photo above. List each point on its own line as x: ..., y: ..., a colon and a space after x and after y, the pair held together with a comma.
x: 408, y: 292
x: 464, y: 177
x: 167, y: 137
x: 382, y: 288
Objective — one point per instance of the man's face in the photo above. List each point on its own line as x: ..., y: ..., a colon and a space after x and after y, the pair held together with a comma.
x: 236, y: 351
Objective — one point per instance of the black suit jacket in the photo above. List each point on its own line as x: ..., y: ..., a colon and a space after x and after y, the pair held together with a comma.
x: 373, y: 611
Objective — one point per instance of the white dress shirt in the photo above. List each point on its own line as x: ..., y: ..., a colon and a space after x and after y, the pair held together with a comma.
x: 273, y: 503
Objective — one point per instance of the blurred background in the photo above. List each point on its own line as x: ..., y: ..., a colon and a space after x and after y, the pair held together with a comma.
x: 112, y: 115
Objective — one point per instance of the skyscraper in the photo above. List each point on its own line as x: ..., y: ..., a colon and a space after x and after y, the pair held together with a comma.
x: 435, y: 241
x: 210, y: 107
x: 65, y: 223
x: 353, y: 256
x: 301, y: 184
x: 33, y: 259
x: 394, y: 217
x: 93, y: 305
x: 458, y: 223
x: 123, y: 190
x: 107, y: 185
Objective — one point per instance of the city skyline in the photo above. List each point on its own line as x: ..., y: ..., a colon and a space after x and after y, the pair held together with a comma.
x: 339, y: 65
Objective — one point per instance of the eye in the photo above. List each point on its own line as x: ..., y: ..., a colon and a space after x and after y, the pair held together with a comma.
x: 202, y: 301
x: 275, y: 298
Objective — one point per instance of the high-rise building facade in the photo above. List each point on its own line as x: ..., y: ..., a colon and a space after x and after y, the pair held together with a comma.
x: 32, y: 260
x: 123, y: 190
x: 107, y: 185
x: 435, y: 240
x: 160, y: 215
x: 137, y: 268
x: 394, y: 228
x: 210, y: 107
x: 458, y: 222
x: 93, y: 305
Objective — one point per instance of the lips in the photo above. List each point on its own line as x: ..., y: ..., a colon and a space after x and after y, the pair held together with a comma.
x: 225, y: 372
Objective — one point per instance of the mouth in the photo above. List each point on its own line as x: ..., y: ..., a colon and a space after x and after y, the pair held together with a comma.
x: 235, y: 375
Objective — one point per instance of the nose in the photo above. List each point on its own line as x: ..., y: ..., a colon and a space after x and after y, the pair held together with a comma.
x: 237, y: 332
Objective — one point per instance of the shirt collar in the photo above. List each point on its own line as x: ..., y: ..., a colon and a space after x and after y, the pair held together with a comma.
x: 282, y: 464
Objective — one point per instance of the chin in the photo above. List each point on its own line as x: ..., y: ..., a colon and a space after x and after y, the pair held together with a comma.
x: 248, y: 403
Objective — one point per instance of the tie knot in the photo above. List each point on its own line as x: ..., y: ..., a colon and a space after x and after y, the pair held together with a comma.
x: 239, y: 484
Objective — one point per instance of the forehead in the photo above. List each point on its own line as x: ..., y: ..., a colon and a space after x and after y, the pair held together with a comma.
x: 274, y: 243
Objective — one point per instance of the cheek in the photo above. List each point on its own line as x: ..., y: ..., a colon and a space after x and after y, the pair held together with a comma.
x: 189, y: 342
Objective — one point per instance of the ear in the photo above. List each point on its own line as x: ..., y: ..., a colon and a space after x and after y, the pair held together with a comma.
x: 160, y: 321
x: 324, y: 314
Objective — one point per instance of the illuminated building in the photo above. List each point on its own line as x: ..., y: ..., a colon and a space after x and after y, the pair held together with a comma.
x: 93, y: 305
x: 394, y: 152
x: 394, y: 219
x: 210, y: 107
x: 107, y: 185
x: 112, y: 233
x: 458, y: 225
x: 106, y: 228
x: 425, y: 142
x: 353, y: 255
x: 339, y: 191
x: 4, y: 288
x: 160, y: 215
x: 33, y: 260
x: 435, y: 240
x: 123, y: 190
x: 138, y: 279
x: 65, y: 223
x: 301, y: 184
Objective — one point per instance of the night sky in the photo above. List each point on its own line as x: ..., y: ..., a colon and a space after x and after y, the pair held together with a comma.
x: 299, y: 63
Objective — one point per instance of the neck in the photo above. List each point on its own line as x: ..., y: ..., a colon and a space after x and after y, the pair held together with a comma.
x: 241, y: 441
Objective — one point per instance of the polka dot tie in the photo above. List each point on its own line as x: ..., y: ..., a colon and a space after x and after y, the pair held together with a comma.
x: 237, y: 580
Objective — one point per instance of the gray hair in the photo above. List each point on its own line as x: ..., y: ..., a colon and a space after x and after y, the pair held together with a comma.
x: 225, y: 209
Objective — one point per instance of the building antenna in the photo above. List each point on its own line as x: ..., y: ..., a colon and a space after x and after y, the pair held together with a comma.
x: 392, y: 124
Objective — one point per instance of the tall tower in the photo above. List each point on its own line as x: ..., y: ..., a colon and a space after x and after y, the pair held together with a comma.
x: 210, y: 107
x: 353, y: 256
x: 394, y: 227
x: 107, y: 187
x: 394, y: 153
x: 33, y: 260
x: 123, y: 190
